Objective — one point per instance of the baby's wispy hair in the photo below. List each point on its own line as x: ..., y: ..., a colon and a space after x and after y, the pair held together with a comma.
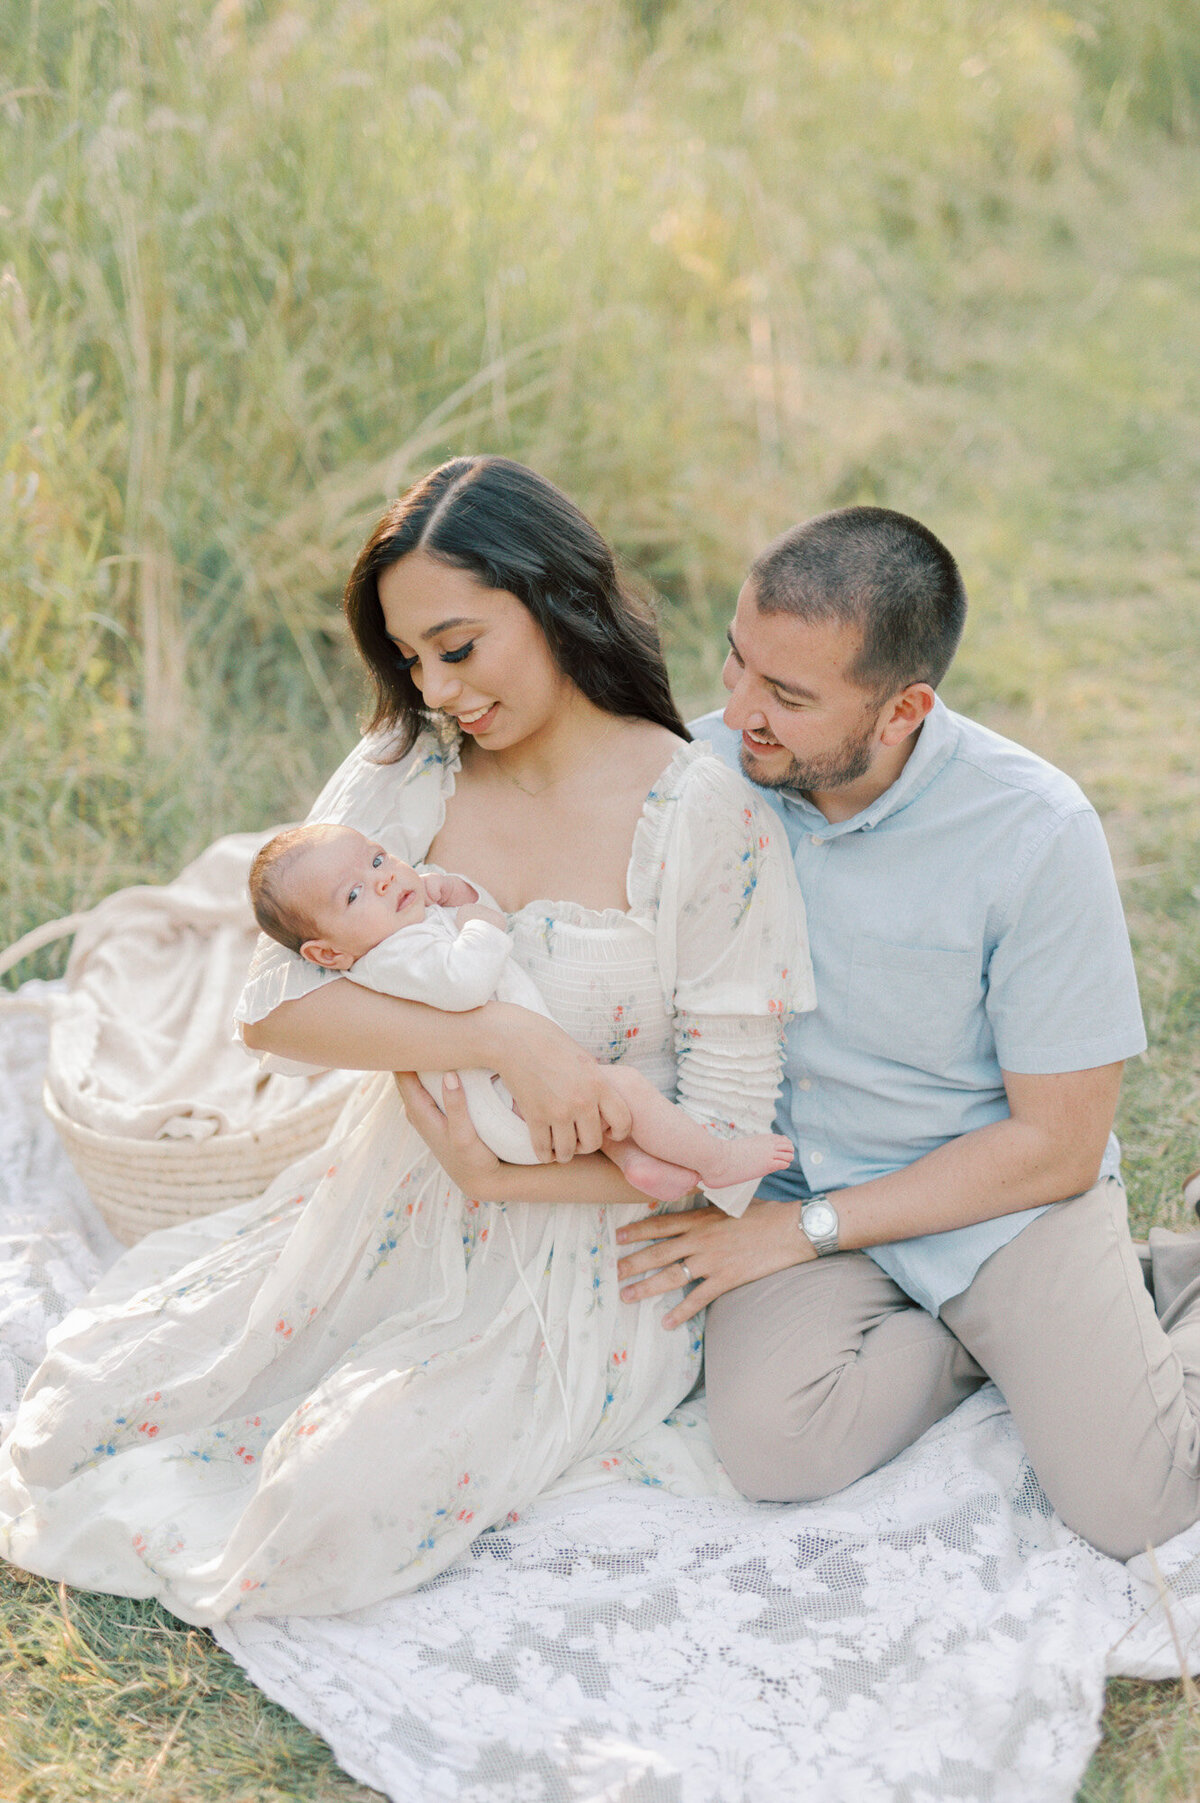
x: 275, y: 912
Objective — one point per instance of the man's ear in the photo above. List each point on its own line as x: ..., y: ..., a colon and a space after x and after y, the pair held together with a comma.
x: 319, y: 951
x: 908, y: 711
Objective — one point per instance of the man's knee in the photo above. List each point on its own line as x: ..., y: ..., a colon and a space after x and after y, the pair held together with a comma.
x: 795, y: 1417
x: 778, y: 1446
x: 1122, y: 1520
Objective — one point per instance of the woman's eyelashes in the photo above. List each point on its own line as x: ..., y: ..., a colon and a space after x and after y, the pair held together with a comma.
x: 456, y: 656
x: 459, y: 653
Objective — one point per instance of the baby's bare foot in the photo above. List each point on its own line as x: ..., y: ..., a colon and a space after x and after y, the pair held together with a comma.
x: 751, y: 1155
x: 655, y: 1177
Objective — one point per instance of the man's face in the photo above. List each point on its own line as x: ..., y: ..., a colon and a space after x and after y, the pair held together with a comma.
x: 805, y: 724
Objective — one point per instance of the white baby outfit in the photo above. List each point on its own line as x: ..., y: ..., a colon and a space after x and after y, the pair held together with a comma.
x: 434, y: 961
x: 317, y: 1399
x: 437, y: 962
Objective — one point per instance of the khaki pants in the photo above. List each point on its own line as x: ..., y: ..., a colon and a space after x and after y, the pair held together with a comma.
x: 822, y: 1372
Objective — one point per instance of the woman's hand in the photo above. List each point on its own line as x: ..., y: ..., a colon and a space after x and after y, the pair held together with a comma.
x: 564, y: 1097
x: 720, y: 1253
x: 592, y: 1182
x: 452, y: 1138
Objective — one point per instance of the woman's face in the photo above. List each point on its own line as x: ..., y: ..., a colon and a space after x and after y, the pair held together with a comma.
x: 477, y: 654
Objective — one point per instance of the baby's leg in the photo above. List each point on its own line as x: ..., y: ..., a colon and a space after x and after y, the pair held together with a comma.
x: 665, y: 1133
x: 492, y: 1112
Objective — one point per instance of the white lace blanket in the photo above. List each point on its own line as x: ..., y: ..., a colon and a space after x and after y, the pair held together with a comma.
x: 932, y: 1633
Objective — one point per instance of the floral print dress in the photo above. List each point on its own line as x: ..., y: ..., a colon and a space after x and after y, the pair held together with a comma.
x: 316, y: 1400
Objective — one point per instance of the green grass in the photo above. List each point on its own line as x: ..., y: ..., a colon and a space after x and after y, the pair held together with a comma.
x: 711, y: 268
x: 1150, y: 1752
x: 115, y: 1701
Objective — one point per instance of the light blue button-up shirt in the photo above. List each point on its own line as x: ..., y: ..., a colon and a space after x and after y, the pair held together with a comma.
x: 966, y: 923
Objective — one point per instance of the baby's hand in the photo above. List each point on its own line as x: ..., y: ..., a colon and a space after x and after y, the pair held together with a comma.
x: 493, y: 917
x: 445, y: 891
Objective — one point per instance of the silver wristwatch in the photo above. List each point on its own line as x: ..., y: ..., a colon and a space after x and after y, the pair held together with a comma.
x: 819, y: 1224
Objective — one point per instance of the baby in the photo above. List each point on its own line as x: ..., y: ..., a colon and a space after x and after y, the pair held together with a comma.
x: 345, y: 904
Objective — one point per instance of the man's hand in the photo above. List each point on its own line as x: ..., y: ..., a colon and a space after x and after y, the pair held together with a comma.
x: 564, y: 1097
x: 452, y: 1138
x: 446, y: 891
x: 719, y: 1252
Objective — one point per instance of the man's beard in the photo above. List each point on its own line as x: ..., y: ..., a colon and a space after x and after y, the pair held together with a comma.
x: 845, y: 763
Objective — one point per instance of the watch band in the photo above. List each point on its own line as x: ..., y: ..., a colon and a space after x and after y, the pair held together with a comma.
x: 819, y: 1224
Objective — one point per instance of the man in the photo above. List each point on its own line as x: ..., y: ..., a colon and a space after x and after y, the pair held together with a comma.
x: 955, y: 1210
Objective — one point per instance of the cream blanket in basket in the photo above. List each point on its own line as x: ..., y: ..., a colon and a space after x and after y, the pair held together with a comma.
x: 141, y: 1038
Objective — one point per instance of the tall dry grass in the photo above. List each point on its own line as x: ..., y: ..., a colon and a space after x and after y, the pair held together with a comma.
x: 709, y: 267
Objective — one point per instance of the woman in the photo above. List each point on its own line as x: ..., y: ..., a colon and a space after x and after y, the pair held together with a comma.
x: 318, y: 1399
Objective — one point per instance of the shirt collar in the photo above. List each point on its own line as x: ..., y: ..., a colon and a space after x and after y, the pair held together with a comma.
x: 933, y: 750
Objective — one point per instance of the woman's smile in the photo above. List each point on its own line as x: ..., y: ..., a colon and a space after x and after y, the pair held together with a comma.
x: 478, y: 719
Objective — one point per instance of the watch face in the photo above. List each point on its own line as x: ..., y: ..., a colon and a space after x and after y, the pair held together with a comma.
x: 819, y: 1220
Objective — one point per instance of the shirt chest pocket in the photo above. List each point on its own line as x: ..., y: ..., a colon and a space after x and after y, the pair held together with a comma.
x: 917, y: 1005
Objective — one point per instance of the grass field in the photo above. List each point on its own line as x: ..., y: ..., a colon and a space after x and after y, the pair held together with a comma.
x: 711, y: 267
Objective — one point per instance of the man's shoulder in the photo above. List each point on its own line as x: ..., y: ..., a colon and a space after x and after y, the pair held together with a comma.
x: 995, y: 766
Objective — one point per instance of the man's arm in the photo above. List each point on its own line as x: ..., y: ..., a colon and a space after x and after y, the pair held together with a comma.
x: 1050, y: 1148
x: 562, y: 1092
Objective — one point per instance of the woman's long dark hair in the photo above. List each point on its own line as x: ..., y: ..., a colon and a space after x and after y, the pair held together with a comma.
x: 513, y: 530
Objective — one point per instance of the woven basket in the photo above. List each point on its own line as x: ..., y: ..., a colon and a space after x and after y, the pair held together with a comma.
x: 139, y: 1185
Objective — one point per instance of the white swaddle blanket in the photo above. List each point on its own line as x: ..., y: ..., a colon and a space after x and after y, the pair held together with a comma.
x: 447, y: 966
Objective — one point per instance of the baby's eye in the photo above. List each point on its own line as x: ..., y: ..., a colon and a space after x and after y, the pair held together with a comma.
x: 459, y: 653
x: 377, y: 860
x: 354, y: 894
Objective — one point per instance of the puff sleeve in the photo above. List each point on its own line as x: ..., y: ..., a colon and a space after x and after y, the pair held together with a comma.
x: 400, y: 804
x: 713, y: 867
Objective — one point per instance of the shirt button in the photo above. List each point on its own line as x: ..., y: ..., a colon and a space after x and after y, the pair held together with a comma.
x: 814, y: 839
x: 816, y: 1157
x: 803, y: 1082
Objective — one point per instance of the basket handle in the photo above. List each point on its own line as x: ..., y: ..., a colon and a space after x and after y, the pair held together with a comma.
x: 40, y: 936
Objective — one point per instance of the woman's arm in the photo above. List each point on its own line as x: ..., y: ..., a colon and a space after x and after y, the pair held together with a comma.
x: 561, y: 1091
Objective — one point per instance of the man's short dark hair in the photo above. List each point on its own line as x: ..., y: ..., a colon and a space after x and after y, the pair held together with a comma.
x: 880, y: 571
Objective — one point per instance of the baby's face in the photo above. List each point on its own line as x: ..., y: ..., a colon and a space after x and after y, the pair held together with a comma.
x: 355, y: 893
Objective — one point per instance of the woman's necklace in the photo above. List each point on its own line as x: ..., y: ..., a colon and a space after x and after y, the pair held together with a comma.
x: 575, y: 769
